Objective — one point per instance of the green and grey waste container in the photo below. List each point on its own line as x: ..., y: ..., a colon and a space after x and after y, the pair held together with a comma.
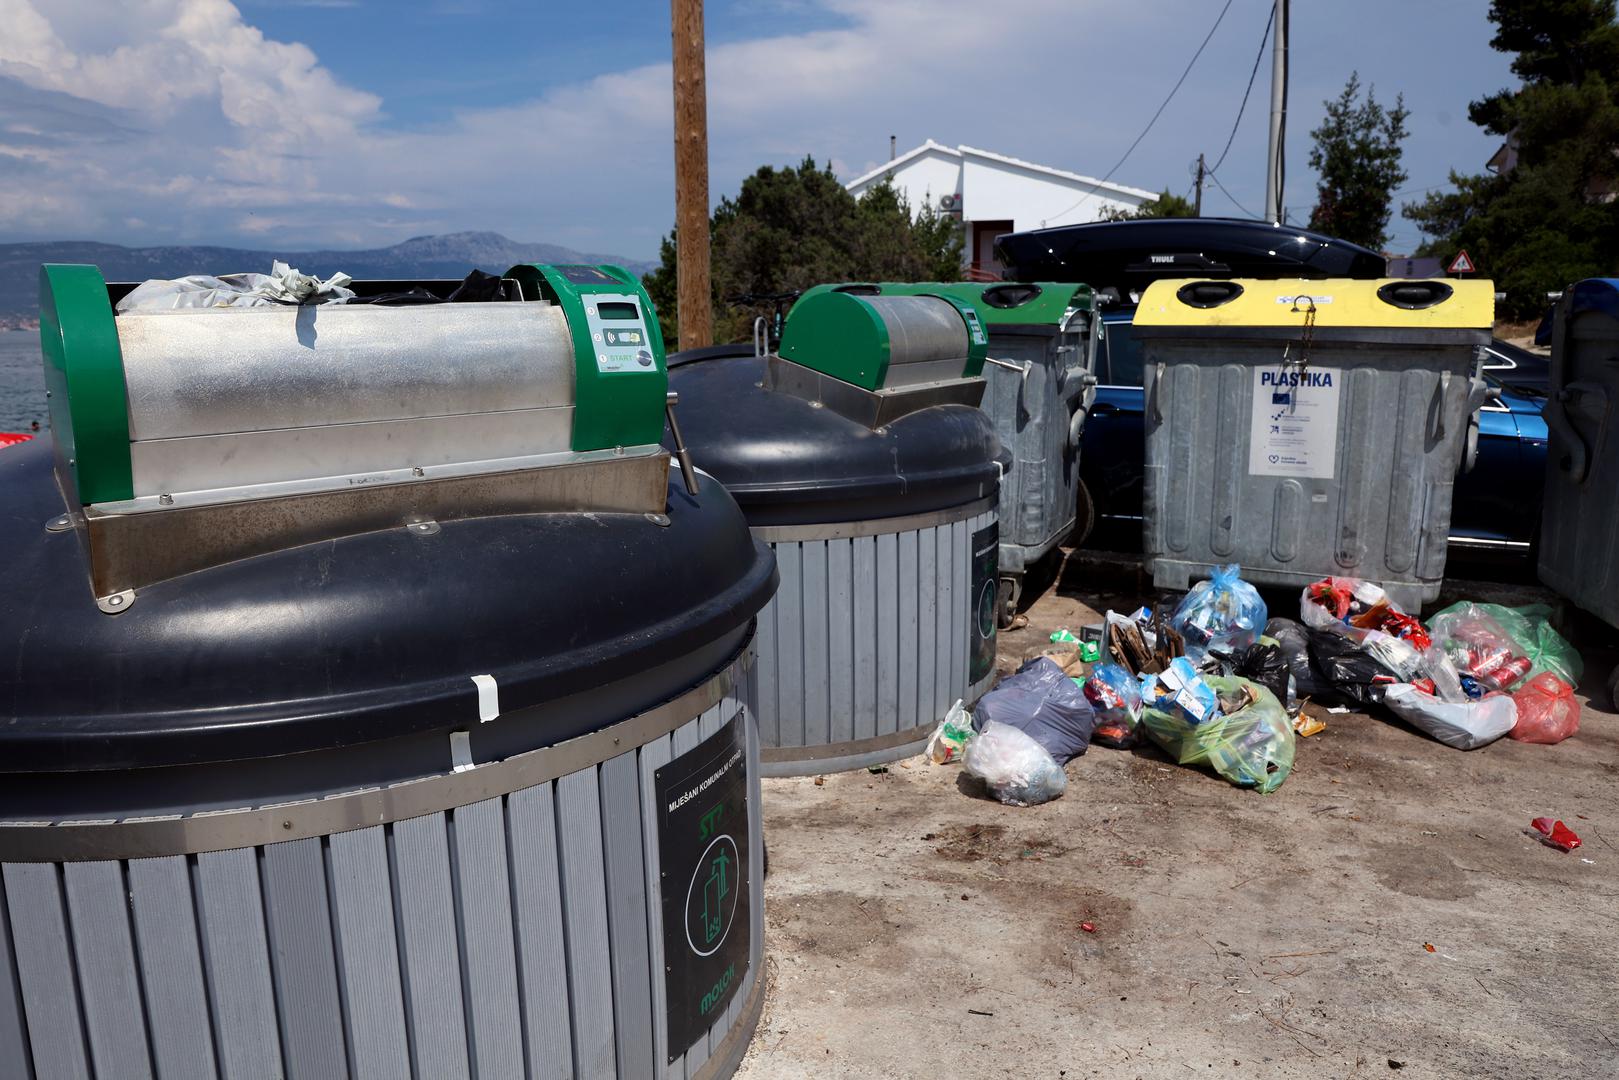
x: 376, y: 703
x: 860, y: 455
x: 1300, y: 429
x: 1040, y: 385
x: 1579, y: 532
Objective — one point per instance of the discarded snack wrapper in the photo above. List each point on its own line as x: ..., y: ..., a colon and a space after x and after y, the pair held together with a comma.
x: 1064, y: 634
x: 1307, y: 725
x: 1554, y: 833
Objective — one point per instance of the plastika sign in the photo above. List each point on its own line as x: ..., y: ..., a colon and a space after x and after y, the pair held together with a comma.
x: 1294, y: 426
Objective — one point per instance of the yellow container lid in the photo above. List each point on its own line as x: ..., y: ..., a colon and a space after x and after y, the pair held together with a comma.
x: 1349, y: 303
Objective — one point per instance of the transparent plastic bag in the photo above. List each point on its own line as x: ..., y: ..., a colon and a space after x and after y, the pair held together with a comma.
x: 1016, y: 769
x: 949, y: 739
x: 1249, y: 742
x: 1115, y: 694
x: 1485, y: 655
x: 1223, y: 613
x: 1354, y: 608
x: 1465, y: 725
x: 1531, y: 630
x: 1547, y: 710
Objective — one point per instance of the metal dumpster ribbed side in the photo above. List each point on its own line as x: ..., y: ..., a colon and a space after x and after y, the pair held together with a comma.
x: 516, y: 934
x: 1383, y: 517
x: 867, y: 642
x: 1579, y: 540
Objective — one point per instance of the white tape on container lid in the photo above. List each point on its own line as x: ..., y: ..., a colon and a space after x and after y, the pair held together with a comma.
x: 488, y: 697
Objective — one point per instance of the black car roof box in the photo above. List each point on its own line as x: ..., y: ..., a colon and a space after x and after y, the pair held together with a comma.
x: 1129, y: 254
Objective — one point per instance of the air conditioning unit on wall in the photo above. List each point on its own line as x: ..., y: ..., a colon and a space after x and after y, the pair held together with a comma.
x: 950, y: 203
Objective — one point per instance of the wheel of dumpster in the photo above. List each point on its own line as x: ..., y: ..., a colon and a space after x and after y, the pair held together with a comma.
x: 1613, y: 687
x: 1084, y: 517
x: 1006, y: 596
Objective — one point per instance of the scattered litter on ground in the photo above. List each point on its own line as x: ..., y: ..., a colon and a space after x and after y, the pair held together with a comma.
x: 1554, y: 833
x: 820, y: 781
x: 1089, y: 928
x: 1305, y: 725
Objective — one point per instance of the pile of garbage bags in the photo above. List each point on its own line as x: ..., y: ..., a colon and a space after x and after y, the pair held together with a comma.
x: 1219, y: 684
x: 1474, y: 673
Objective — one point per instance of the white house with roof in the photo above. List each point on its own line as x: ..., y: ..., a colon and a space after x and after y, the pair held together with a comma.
x: 993, y: 194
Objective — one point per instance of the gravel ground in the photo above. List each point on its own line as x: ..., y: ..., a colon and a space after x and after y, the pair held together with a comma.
x: 1382, y: 912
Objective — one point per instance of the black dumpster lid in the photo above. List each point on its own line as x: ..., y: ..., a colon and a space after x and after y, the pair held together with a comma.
x: 788, y: 463
x: 351, y: 640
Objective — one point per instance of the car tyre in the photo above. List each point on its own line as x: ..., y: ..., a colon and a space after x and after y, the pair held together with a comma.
x: 1084, y: 517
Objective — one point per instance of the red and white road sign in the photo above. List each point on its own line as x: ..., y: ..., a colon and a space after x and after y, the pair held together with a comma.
x: 1461, y: 264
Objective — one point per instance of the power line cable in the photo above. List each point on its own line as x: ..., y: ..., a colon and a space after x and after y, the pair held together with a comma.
x: 1155, y: 115
x: 1228, y: 195
x: 1249, y: 89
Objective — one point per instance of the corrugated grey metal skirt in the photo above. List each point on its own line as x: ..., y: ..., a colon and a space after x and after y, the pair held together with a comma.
x: 498, y: 921
x: 871, y: 637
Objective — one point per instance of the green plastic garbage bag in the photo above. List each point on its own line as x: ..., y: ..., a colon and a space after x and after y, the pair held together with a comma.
x: 1530, y: 627
x: 1251, y: 747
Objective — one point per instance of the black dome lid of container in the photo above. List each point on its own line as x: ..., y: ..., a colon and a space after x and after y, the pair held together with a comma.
x: 787, y: 462
x: 340, y: 643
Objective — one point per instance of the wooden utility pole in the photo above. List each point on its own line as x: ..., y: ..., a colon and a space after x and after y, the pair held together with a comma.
x: 693, y: 311
x: 1197, y: 204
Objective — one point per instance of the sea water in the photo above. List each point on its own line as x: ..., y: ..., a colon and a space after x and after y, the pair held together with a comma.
x: 22, y: 381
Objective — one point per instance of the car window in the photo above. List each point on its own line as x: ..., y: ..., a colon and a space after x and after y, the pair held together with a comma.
x: 1123, y: 354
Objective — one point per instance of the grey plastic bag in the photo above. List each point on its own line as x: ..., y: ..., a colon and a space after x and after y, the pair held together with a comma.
x: 1044, y: 703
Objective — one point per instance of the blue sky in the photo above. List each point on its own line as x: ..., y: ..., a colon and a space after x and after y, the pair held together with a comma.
x: 349, y: 123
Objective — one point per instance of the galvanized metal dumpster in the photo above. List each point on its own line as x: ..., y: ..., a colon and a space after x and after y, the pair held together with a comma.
x: 1040, y: 384
x: 1579, y: 533
x: 860, y: 456
x: 1301, y: 429
x: 439, y: 765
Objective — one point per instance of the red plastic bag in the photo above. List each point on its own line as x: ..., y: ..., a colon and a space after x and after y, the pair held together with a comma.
x: 1547, y: 711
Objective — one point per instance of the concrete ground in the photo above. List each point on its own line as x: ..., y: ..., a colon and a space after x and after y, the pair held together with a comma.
x: 1383, y: 911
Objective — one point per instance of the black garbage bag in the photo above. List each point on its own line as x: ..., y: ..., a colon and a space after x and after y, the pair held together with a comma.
x: 1308, y: 681
x: 1357, y: 677
x: 1044, y: 703
x: 1262, y: 663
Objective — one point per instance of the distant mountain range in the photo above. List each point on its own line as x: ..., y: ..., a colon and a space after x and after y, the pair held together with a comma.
x: 450, y: 256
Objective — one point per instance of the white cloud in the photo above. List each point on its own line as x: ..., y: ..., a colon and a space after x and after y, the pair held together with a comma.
x: 181, y: 114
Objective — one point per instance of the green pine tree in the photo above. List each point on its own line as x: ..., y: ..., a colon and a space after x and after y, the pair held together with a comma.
x: 790, y: 228
x: 1550, y: 218
x: 1357, y: 155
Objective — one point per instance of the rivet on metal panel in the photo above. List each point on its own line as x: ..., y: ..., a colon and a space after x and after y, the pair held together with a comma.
x: 165, y: 500
x: 417, y: 470
x: 59, y: 523
x: 816, y: 405
x: 618, y: 451
x: 422, y: 528
x: 116, y: 602
x: 659, y: 519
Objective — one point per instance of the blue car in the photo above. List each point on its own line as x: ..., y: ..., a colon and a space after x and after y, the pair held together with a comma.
x: 1496, y: 507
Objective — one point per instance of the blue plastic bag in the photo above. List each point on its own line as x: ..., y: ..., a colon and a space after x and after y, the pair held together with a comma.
x: 1224, y: 613
x: 1042, y: 701
x: 1115, y: 694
